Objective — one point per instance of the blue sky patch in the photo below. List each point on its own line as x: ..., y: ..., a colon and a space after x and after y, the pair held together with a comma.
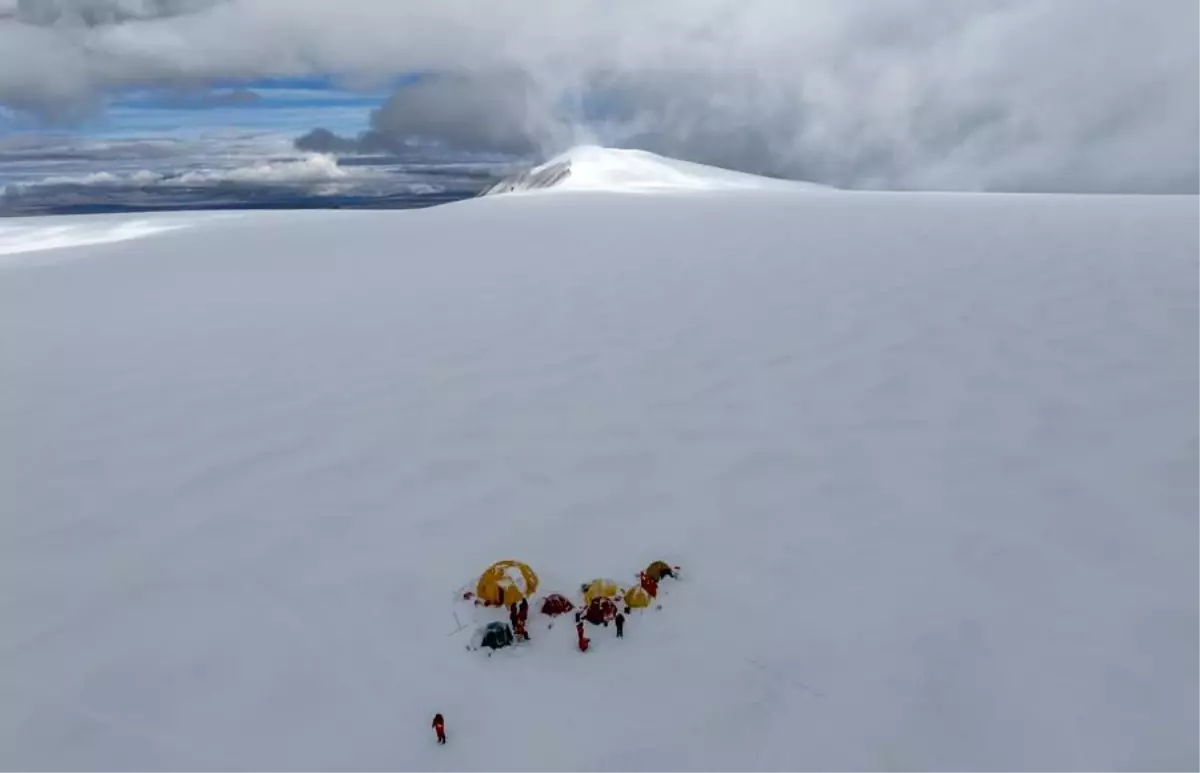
x: 284, y: 105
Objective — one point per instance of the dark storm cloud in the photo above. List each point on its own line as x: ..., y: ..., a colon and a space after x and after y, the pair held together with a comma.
x: 495, y: 113
x: 953, y: 94
x: 94, y: 13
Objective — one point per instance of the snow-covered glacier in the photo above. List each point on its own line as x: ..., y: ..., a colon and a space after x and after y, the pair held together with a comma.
x: 928, y: 461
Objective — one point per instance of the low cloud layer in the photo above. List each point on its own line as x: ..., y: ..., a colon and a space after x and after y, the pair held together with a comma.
x: 951, y: 94
x: 66, y: 174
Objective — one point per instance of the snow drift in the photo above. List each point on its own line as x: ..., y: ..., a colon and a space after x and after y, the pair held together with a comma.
x: 929, y: 463
x: 591, y: 168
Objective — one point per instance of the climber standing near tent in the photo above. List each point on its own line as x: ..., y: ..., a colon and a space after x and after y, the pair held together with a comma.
x: 517, y: 618
x: 649, y: 583
x: 620, y: 620
x: 583, y: 640
x: 523, y: 618
x: 439, y: 726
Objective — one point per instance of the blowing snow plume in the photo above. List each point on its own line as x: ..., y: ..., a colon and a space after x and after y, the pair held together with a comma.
x: 977, y: 94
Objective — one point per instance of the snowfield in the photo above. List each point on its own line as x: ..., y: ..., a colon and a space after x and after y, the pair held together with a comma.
x: 929, y: 463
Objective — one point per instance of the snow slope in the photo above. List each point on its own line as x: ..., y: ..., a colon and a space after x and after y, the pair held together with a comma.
x: 19, y: 237
x: 929, y: 463
x: 610, y: 170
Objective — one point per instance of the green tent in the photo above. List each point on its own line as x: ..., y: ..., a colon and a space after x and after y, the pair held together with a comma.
x: 494, y: 636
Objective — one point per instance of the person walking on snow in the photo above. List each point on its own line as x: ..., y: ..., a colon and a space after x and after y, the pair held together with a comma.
x: 439, y: 726
x: 620, y: 620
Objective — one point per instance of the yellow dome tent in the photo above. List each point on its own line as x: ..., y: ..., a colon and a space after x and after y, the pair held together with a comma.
x: 600, y: 588
x: 506, y: 582
x: 638, y: 597
x: 658, y: 570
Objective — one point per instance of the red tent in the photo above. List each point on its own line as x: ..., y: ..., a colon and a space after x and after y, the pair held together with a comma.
x: 601, y: 610
x: 556, y: 604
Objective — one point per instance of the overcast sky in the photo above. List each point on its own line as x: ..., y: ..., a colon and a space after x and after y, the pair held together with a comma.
x: 1089, y: 95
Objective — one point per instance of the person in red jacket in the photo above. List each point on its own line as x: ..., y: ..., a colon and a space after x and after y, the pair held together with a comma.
x: 583, y: 640
x: 439, y: 726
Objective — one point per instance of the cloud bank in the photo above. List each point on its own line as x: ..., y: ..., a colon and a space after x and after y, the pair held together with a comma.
x: 948, y: 94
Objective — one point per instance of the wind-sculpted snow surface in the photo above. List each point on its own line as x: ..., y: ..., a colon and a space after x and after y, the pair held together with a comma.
x: 929, y: 463
x: 21, y: 237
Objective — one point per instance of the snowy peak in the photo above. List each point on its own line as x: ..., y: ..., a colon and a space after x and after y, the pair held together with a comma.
x: 592, y: 168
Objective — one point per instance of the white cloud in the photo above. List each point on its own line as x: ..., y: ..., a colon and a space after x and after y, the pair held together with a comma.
x: 311, y: 169
x: 1012, y: 94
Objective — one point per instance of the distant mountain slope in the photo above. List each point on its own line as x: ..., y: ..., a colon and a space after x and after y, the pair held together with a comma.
x: 592, y: 168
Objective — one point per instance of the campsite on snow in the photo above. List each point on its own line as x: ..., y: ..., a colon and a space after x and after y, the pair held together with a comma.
x: 511, y: 585
x: 927, y: 461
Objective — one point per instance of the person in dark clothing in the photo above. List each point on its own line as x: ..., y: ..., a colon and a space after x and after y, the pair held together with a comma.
x: 439, y: 726
x: 620, y: 619
x: 522, y: 619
